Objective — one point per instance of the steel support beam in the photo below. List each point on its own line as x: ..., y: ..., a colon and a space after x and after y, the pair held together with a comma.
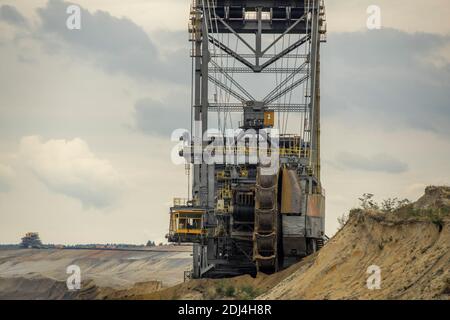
x: 230, y: 52
x: 204, y: 110
x: 286, y: 90
x: 288, y: 30
x: 285, y: 82
x: 236, y: 34
x: 232, y: 81
x: 234, y: 107
x: 289, y: 49
x: 314, y: 119
x: 227, y: 89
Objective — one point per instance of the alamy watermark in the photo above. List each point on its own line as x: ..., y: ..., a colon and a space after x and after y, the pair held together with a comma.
x: 374, y: 19
x: 374, y: 280
x: 74, y: 280
x: 232, y: 146
x: 73, y: 21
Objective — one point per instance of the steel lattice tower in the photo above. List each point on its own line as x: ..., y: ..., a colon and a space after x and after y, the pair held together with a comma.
x: 273, y: 38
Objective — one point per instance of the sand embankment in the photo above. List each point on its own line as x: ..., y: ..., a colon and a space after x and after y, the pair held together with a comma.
x: 41, y: 274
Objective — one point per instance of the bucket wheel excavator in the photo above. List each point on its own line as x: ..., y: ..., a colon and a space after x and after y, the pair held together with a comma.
x: 244, y: 214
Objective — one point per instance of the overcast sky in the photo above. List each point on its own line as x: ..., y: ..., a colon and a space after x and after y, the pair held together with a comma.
x: 85, y: 117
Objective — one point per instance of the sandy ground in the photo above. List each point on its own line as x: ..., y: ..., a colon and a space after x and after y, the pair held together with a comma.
x: 33, y: 274
x: 410, y: 246
x: 413, y: 257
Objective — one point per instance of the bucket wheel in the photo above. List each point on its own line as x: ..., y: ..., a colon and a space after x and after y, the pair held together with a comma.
x: 266, y: 228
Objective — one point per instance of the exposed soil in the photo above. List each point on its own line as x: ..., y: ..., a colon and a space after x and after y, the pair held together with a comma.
x: 409, y: 245
x: 41, y: 274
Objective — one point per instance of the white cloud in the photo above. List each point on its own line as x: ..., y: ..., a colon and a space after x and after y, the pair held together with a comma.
x: 7, y: 174
x: 117, y: 45
x: 383, y: 107
x: 380, y: 162
x: 69, y: 167
x: 405, y: 15
x: 10, y: 15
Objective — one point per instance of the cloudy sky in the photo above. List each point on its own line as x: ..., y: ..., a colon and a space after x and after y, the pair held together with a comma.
x: 85, y: 116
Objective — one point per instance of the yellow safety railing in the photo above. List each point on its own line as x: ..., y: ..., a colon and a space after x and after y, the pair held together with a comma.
x: 290, y: 151
x: 187, y: 222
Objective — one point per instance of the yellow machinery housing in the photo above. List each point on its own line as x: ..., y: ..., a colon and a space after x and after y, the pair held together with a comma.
x: 186, y: 223
x: 269, y: 119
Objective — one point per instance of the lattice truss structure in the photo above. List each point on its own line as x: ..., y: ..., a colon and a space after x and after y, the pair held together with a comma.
x: 275, y: 38
x: 252, y: 58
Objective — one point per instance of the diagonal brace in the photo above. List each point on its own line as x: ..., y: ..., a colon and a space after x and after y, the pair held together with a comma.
x: 285, y: 81
x: 286, y: 90
x: 235, y: 55
x: 235, y: 33
x: 226, y: 88
x: 280, y: 55
x: 234, y: 82
x: 285, y: 33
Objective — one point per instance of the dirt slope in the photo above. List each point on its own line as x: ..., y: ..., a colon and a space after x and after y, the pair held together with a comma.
x: 242, y: 287
x: 411, y: 248
x: 40, y: 288
x: 41, y: 274
x: 410, y: 245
